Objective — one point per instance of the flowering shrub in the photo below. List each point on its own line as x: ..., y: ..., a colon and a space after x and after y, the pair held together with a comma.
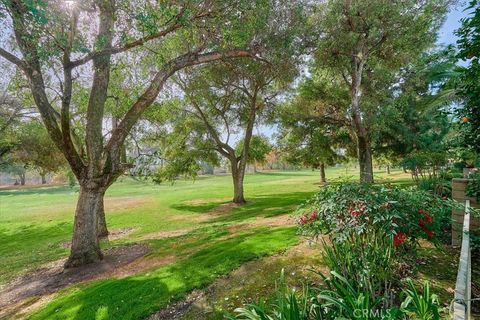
x: 404, y: 214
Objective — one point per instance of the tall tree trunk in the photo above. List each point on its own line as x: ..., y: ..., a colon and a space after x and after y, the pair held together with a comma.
x: 365, y: 159
x: 238, y: 175
x: 85, y: 245
x: 388, y: 169
x: 102, y: 230
x: 44, y: 180
x: 22, y: 178
x: 254, y: 166
x: 364, y: 150
x: 323, y: 178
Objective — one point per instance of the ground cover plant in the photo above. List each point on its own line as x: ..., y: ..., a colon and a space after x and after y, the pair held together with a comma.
x: 373, y: 233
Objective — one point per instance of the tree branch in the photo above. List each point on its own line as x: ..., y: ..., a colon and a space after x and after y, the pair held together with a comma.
x: 151, y: 93
x: 13, y: 59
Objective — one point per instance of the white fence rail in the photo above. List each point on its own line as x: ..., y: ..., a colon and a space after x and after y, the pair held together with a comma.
x: 463, y: 287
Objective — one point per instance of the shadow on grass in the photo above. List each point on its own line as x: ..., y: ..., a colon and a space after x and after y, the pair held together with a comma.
x: 49, y: 190
x: 265, y: 206
x: 138, y: 296
x: 31, y: 245
x: 197, y: 208
x: 256, y: 206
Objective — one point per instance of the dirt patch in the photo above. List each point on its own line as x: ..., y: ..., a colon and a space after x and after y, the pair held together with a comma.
x: 53, y: 277
x: 165, y: 234
x: 120, y: 233
x: 113, y: 235
x: 121, y: 203
x: 277, y: 221
x: 224, y: 208
x: 244, y: 285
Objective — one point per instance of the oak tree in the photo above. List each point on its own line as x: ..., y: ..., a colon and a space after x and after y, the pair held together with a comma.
x: 61, y: 46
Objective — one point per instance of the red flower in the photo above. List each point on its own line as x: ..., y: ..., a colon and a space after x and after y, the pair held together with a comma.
x: 303, y: 220
x: 306, y: 218
x: 356, y: 214
x: 428, y: 217
x: 357, y: 211
x: 421, y: 223
x: 428, y: 232
x: 399, y: 239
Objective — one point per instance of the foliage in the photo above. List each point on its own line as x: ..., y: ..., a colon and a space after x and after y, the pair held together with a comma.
x: 259, y: 148
x: 362, y: 47
x: 36, y: 149
x: 305, y: 139
x: 414, y: 127
x: 339, y: 300
x: 469, y: 87
x: 287, y: 304
x: 346, y: 210
x: 345, y: 300
x: 473, y: 187
x: 367, y: 262
x: 423, y: 306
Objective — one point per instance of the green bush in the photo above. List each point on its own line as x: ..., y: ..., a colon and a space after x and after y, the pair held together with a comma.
x: 371, y: 230
x: 473, y: 187
x: 345, y: 210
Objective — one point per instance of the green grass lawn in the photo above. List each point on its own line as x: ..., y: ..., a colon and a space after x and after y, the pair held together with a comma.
x: 36, y: 223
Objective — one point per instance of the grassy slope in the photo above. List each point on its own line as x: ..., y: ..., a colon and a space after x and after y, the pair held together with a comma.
x: 35, y: 222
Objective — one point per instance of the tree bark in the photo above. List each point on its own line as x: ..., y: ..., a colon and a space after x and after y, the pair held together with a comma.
x: 238, y: 175
x: 22, y: 179
x: 365, y: 159
x: 85, y: 245
x: 44, y: 180
x: 102, y: 230
x: 388, y: 169
x: 364, y: 150
x: 323, y: 178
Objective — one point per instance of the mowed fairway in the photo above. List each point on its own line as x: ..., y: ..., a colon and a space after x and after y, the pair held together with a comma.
x: 192, y: 233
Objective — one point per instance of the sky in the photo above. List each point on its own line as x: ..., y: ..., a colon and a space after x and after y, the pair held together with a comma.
x: 452, y: 23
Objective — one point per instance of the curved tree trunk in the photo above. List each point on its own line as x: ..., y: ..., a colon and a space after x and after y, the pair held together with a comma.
x: 323, y: 178
x: 102, y: 230
x: 85, y: 245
